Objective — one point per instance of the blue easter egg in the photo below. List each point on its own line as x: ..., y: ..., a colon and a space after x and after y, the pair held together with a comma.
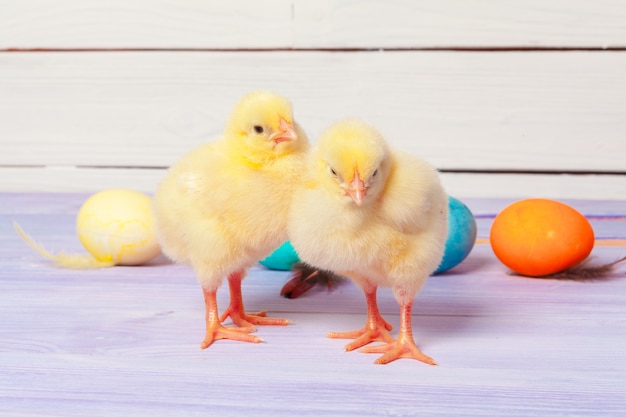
x: 461, y: 235
x: 281, y: 259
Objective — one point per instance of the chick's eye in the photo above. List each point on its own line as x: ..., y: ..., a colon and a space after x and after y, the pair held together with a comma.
x: 332, y: 171
x: 258, y: 129
x: 374, y: 174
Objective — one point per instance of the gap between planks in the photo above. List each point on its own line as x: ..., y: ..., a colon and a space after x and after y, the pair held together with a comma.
x: 342, y: 49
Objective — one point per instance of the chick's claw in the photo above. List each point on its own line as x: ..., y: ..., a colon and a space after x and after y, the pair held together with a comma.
x: 247, y: 321
x: 400, y: 348
x: 404, y: 346
x: 376, y: 328
x: 237, y: 312
x: 363, y: 336
x: 217, y: 331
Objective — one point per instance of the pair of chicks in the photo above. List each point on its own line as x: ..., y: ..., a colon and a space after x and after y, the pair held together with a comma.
x: 350, y: 205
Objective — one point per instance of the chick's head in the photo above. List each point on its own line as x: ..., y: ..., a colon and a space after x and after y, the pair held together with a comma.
x: 262, y: 126
x: 352, y: 161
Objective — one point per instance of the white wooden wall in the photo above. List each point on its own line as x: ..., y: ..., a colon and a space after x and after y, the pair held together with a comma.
x: 508, y: 98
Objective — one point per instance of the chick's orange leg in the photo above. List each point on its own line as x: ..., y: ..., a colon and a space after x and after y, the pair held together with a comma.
x: 376, y: 328
x: 236, y: 310
x: 404, y: 346
x: 214, y: 328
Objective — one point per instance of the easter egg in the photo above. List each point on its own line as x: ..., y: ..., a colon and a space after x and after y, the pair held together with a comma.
x: 281, y: 259
x: 461, y: 235
x: 118, y: 225
x: 539, y: 237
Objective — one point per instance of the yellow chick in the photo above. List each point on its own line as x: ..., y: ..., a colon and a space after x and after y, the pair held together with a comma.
x: 224, y: 205
x: 377, y: 216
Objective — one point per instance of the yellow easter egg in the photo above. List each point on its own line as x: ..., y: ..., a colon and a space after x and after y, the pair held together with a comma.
x: 118, y: 225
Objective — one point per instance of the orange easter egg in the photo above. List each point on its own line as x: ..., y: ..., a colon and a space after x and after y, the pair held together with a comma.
x: 538, y: 237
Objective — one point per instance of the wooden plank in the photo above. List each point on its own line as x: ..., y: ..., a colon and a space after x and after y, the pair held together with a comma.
x: 458, y: 23
x: 487, y: 185
x: 124, y: 340
x: 306, y: 24
x: 507, y: 111
x: 145, y: 24
x: 71, y: 179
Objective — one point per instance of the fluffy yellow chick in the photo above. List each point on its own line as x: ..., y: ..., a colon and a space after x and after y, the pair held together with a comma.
x: 224, y: 205
x: 377, y: 216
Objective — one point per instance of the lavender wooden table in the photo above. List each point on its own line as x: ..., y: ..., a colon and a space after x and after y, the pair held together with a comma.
x: 124, y: 341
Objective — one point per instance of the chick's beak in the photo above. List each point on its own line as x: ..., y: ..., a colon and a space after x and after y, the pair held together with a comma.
x: 357, y: 189
x: 286, y: 132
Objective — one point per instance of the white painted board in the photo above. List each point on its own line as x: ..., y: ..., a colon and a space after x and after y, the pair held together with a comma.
x: 484, y: 185
x: 480, y: 111
x: 311, y: 24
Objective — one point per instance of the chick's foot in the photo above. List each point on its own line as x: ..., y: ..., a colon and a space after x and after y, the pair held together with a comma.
x: 400, y: 348
x: 237, y: 313
x: 363, y: 336
x: 404, y: 346
x: 247, y: 321
x: 376, y: 328
x: 215, y: 330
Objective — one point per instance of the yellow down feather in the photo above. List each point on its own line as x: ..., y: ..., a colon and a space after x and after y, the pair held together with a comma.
x: 62, y: 259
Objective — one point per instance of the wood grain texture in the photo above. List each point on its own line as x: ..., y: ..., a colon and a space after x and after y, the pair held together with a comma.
x: 486, y: 185
x: 112, y: 105
x: 306, y: 24
x: 145, y: 24
x: 124, y: 340
x: 526, y: 111
x: 458, y: 23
